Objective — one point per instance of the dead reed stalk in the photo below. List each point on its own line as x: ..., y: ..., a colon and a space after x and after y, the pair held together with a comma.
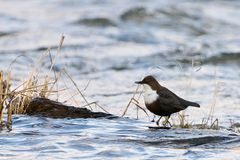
x: 1, y: 97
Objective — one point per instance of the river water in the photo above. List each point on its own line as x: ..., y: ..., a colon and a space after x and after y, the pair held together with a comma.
x: 192, y: 48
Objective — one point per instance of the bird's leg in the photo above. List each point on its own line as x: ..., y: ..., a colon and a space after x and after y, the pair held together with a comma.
x: 167, y: 122
x: 153, y: 119
x: 157, y: 122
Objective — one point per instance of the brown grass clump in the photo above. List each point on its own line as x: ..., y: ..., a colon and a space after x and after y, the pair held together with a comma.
x: 17, y: 100
x: 209, y: 122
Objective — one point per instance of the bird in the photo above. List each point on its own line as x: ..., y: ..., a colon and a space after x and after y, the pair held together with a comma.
x: 161, y: 101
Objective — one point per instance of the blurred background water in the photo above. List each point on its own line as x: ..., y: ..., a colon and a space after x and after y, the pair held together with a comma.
x: 193, y: 48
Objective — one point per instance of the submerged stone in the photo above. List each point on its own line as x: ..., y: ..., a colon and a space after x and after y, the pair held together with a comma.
x: 103, y: 22
x: 136, y: 14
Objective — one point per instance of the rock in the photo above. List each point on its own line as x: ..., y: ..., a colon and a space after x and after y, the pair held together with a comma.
x: 96, y: 22
x: 52, y: 109
x: 138, y: 14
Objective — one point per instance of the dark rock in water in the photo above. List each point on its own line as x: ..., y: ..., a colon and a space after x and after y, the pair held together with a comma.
x: 49, y: 108
x: 136, y: 14
x: 102, y: 22
x: 222, y: 58
x: 2, y: 34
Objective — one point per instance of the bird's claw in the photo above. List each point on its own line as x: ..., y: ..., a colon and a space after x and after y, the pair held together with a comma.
x: 153, y: 120
x: 166, y: 123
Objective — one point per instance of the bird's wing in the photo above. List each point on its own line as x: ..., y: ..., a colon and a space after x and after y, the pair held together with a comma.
x: 169, y: 99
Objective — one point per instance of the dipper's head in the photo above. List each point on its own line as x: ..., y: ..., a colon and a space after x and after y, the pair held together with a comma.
x: 149, y: 81
x: 150, y: 85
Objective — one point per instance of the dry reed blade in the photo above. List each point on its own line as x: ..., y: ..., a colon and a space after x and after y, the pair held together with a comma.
x: 25, y: 100
x: 44, y: 89
x: 214, y: 101
x: 31, y: 88
x: 37, y: 66
x: 213, y: 125
x: 58, y: 51
x: 72, y: 96
x: 55, y: 76
x: 6, y: 97
x: 102, y: 108
x: 9, y: 115
x: 1, y: 97
x: 74, y: 83
x: 85, y: 88
x: 138, y: 103
x: 96, y: 104
x: 22, y: 105
x: 55, y: 82
x: 7, y: 86
x: 88, y: 104
x: 10, y: 65
x: 142, y: 109
x: 129, y: 103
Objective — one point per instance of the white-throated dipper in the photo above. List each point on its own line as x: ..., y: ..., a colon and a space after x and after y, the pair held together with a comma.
x: 160, y: 100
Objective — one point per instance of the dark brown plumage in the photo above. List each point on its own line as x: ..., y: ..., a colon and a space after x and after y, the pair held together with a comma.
x: 160, y: 100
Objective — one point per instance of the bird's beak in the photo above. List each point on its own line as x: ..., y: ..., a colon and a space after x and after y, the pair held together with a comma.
x: 139, y: 82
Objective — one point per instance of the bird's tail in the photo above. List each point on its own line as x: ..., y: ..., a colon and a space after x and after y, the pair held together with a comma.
x: 189, y: 103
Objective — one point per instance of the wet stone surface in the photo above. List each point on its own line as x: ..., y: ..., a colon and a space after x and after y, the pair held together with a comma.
x: 52, y: 109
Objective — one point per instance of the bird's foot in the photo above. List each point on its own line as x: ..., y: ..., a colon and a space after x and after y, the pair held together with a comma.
x: 153, y: 120
x: 166, y: 122
x: 169, y: 124
x: 157, y: 122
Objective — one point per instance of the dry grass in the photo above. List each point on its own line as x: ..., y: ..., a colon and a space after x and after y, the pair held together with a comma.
x: 136, y: 102
x: 16, y: 101
x: 207, y: 123
x: 1, y: 97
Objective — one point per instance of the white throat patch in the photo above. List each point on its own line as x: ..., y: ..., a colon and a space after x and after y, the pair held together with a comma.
x: 150, y: 95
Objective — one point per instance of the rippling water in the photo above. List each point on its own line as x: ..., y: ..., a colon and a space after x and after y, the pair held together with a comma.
x: 191, y: 47
x: 34, y: 137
